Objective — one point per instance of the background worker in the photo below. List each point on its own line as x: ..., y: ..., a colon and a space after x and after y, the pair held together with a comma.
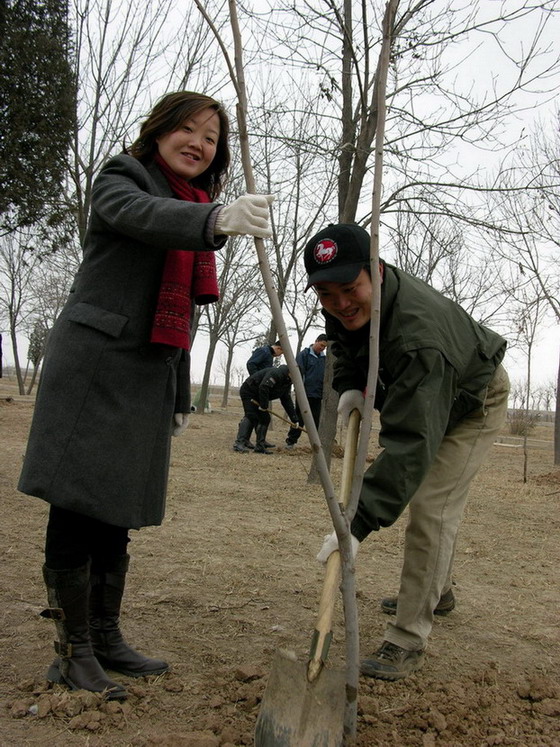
x: 311, y: 363
x: 262, y: 357
x: 262, y: 387
x: 442, y: 398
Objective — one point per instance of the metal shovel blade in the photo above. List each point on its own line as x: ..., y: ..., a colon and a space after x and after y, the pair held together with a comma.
x: 297, y: 713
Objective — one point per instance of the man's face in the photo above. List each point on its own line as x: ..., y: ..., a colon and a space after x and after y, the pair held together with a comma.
x: 319, y: 346
x: 350, y: 303
x: 277, y: 350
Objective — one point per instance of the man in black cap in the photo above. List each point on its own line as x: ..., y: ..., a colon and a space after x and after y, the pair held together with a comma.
x: 256, y: 393
x: 442, y: 398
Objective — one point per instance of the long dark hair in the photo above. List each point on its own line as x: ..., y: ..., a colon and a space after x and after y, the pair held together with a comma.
x: 167, y: 116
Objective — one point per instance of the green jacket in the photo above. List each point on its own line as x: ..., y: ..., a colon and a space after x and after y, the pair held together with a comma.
x: 435, y: 362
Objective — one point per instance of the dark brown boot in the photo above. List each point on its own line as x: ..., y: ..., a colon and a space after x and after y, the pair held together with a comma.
x: 113, y: 652
x: 76, y: 665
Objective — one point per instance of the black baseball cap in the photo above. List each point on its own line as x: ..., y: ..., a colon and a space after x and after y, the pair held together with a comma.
x: 336, y: 254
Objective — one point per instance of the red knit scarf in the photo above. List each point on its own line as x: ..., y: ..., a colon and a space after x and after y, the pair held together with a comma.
x: 188, y: 277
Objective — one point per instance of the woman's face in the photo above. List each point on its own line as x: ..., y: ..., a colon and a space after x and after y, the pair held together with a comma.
x: 190, y: 150
x: 350, y: 303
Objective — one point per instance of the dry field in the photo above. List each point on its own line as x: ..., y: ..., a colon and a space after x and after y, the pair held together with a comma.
x: 230, y: 577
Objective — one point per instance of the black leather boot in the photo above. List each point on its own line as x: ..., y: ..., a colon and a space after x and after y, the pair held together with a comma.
x: 76, y: 666
x: 260, y: 432
x: 243, y: 434
x: 109, y: 646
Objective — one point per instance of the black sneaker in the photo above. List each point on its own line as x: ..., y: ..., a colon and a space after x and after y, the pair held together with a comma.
x: 392, y: 662
x: 444, y: 606
x: 240, y: 447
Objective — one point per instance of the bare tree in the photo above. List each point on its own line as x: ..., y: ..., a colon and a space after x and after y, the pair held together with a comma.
x: 17, y: 264
x: 290, y: 160
x: 238, y: 282
x: 129, y: 53
x: 529, y: 315
x: 434, y: 107
x: 531, y: 217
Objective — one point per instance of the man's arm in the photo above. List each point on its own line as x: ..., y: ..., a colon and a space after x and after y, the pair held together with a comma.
x: 266, y: 386
x: 413, y: 419
x: 288, y: 406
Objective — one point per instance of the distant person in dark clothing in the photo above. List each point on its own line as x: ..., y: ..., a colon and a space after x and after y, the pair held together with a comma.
x: 262, y: 387
x: 263, y: 357
x: 260, y: 359
x: 311, y: 363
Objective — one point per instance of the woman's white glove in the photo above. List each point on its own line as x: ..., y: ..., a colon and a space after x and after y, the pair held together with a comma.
x: 330, y: 544
x: 351, y: 399
x: 248, y: 215
x: 180, y: 422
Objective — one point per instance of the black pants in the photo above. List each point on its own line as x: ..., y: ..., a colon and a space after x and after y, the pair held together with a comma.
x: 73, y: 539
x: 315, y: 407
x: 253, y: 413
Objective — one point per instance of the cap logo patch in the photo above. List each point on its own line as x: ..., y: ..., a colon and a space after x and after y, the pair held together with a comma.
x: 325, y: 251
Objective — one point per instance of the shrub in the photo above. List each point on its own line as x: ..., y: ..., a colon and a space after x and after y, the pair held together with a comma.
x: 522, y: 422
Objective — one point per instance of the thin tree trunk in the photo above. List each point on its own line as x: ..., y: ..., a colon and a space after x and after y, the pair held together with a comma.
x: 557, y: 421
x: 229, y: 362
x: 204, y: 387
x: 33, y: 379
x: 327, y: 425
x: 17, y: 366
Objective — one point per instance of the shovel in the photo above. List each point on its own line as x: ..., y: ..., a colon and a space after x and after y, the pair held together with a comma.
x: 303, y: 704
x: 284, y: 420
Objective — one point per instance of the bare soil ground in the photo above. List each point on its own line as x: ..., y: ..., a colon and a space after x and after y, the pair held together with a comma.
x: 231, y: 577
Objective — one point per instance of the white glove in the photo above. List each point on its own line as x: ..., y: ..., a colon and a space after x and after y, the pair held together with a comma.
x: 330, y: 544
x: 351, y: 399
x: 249, y: 214
x: 180, y: 422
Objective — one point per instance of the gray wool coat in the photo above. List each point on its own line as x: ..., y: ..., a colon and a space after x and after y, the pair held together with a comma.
x: 100, y: 438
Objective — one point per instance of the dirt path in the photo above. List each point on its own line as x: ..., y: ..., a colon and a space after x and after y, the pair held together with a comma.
x: 230, y: 577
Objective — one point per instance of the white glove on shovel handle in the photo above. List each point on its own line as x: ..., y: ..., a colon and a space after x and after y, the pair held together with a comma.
x: 330, y: 544
x: 248, y: 215
x: 180, y: 422
x: 351, y: 399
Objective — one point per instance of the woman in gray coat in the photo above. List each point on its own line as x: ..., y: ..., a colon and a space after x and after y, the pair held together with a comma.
x: 115, y: 380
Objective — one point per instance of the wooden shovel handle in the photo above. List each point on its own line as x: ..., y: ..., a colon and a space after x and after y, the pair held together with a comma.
x: 323, y: 625
x: 284, y: 420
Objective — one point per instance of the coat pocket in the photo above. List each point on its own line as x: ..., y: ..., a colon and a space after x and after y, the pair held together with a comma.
x: 92, y: 316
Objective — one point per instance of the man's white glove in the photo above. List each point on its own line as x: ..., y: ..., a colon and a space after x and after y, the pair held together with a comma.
x: 248, y: 215
x: 180, y: 422
x: 330, y: 544
x: 351, y: 399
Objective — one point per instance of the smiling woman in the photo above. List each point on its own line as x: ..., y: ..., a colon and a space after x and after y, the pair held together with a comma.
x: 118, y: 357
x: 190, y: 150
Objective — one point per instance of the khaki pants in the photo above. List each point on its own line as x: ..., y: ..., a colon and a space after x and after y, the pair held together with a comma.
x: 436, y: 510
